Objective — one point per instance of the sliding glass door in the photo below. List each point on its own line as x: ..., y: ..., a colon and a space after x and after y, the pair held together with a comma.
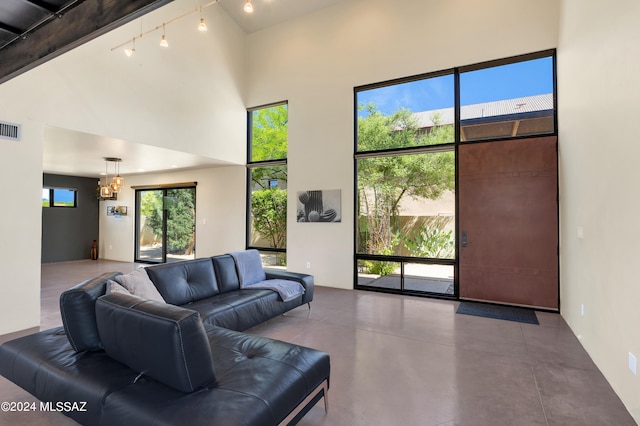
x: 165, y: 224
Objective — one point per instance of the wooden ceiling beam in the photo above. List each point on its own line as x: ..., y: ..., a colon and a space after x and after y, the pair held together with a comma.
x: 88, y: 20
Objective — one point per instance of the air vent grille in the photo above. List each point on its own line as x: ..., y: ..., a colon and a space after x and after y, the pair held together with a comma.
x: 9, y: 131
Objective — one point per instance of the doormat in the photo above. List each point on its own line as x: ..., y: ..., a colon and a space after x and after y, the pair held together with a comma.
x: 509, y: 313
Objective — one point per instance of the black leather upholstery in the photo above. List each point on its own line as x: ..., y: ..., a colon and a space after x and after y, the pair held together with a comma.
x: 226, y: 273
x: 184, y: 282
x: 167, y: 365
x: 77, y: 308
x: 259, y: 381
x: 162, y: 341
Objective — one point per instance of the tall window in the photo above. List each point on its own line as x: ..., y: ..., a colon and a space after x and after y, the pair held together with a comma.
x: 407, y: 135
x: 405, y: 164
x: 267, y: 182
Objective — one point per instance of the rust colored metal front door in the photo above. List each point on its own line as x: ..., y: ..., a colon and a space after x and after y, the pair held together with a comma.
x: 508, y: 222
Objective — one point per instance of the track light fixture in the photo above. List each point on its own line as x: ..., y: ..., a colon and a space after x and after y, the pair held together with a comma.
x: 163, y: 41
x: 202, y: 27
x: 130, y: 51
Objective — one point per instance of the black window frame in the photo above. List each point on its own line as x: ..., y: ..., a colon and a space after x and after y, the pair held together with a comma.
x: 257, y: 164
x: 52, y: 202
x: 456, y: 71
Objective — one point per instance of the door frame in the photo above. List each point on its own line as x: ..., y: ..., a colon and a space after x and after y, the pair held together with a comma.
x: 164, y: 189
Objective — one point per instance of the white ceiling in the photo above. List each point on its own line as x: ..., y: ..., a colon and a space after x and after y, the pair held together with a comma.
x: 74, y: 153
x: 68, y: 152
x: 271, y: 12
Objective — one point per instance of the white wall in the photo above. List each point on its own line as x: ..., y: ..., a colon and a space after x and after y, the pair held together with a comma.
x: 598, y: 69
x: 220, y: 212
x: 188, y: 97
x: 20, y: 224
x: 316, y: 61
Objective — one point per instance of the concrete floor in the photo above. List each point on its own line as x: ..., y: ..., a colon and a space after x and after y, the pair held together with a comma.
x: 400, y: 360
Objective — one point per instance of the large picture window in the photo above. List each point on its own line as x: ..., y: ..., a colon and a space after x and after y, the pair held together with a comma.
x: 407, y: 137
x: 267, y: 182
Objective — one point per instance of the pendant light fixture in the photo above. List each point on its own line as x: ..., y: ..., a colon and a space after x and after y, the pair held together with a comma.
x: 110, y: 188
x: 248, y: 7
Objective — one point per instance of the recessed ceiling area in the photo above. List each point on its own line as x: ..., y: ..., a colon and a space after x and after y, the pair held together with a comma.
x: 68, y: 152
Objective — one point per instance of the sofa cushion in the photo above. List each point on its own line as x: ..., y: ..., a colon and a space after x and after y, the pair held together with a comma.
x: 183, y: 282
x: 138, y: 283
x: 77, y: 308
x: 226, y: 274
x: 165, y: 342
x: 249, y: 267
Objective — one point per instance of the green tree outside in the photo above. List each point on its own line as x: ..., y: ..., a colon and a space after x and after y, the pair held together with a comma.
x: 385, y: 180
x: 269, y: 132
x: 180, y: 206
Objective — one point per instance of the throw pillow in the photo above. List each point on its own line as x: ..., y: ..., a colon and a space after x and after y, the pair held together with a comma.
x: 139, y: 284
x: 114, y: 287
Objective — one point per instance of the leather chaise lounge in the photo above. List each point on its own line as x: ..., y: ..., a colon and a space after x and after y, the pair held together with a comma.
x: 125, y: 359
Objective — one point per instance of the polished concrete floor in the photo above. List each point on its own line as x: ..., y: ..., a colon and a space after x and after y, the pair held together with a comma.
x: 399, y: 360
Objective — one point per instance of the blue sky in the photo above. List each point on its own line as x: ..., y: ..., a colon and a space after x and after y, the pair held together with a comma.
x: 505, y: 82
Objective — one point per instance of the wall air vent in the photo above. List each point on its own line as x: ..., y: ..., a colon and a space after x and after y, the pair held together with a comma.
x: 9, y: 131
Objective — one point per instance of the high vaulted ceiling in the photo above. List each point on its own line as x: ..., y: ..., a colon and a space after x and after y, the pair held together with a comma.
x: 35, y: 31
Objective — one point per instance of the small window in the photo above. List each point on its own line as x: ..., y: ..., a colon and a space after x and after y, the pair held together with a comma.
x: 269, y: 128
x: 59, y: 197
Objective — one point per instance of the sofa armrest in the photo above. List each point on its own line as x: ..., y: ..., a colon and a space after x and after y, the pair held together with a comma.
x: 305, y: 279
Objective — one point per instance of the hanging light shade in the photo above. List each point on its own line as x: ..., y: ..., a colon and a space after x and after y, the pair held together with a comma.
x: 105, y: 190
x: 118, y: 181
x: 248, y: 7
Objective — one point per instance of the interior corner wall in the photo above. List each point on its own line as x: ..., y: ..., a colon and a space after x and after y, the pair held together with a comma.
x: 68, y: 233
x: 598, y: 69
x: 315, y: 62
x: 20, y: 223
x: 220, y: 212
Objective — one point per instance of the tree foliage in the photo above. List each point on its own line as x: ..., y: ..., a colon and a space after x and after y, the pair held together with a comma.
x: 180, y: 206
x: 269, y: 133
x: 384, y: 181
x: 269, y: 212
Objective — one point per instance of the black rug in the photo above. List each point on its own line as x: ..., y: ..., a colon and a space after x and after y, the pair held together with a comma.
x: 509, y: 313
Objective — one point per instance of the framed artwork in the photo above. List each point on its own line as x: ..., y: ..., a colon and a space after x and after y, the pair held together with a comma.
x: 319, y: 206
x: 116, y: 210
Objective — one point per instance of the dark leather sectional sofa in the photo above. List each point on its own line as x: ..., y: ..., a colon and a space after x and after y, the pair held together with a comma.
x: 124, y: 359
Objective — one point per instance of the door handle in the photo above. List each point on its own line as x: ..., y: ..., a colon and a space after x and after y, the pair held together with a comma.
x: 463, y: 239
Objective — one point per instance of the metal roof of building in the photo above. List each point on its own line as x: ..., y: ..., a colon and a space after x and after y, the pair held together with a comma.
x: 526, y: 104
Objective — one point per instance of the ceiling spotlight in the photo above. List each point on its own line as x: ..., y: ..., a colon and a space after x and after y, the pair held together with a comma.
x: 202, y: 27
x: 163, y: 41
x: 130, y: 51
x: 248, y: 7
